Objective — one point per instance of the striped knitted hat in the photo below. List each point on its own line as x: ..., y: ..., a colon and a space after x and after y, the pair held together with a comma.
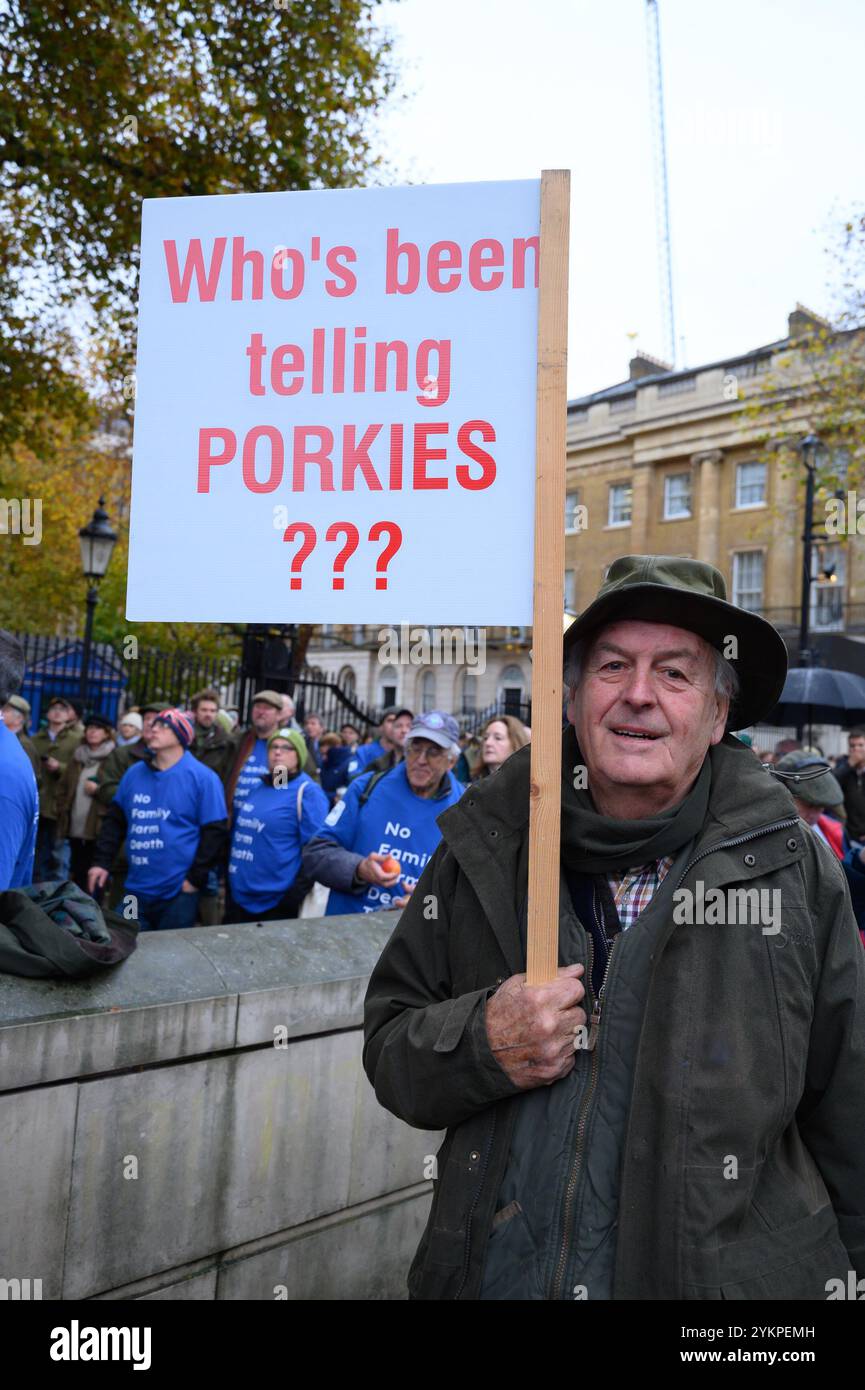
x: 179, y: 724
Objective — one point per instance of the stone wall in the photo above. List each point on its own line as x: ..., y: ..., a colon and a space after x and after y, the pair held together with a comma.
x: 197, y: 1124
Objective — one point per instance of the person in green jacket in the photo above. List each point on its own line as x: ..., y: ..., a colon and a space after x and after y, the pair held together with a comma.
x: 16, y: 717
x: 680, y: 1113
x: 213, y: 745
x: 54, y: 745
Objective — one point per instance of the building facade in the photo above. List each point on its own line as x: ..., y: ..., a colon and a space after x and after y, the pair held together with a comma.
x: 469, y: 672
x: 667, y: 462
x: 678, y: 463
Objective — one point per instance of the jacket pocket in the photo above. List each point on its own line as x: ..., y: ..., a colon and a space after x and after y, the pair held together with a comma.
x: 794, y: 1263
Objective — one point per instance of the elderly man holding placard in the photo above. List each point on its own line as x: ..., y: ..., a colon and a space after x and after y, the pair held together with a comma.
x: 680, y: 1114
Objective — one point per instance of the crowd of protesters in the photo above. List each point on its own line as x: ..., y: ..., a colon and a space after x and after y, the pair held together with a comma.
x: 178, y: 817
x: 182, y: 817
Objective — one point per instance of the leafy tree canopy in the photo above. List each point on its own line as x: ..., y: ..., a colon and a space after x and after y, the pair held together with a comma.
x: 103, y: 104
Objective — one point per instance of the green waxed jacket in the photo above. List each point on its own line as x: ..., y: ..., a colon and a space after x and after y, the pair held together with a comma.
x: 61, y: 748
x: 747, y: 1046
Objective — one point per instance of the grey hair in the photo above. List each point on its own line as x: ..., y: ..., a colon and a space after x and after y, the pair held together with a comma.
x: 726, y: 675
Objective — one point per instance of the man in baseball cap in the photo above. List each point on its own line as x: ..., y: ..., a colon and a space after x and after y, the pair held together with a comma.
x: 385, y: 751
x: 173, y: 814
x: 375, y: 842
x: 592, y: 1119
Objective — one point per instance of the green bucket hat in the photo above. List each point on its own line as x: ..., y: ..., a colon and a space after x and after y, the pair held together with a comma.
x: 692, y: 595
x: 802, y: 776
x: 296, y: 739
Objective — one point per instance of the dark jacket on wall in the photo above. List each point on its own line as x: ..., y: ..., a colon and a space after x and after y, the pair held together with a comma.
x: 715, y: 1041
x: 55, y: 929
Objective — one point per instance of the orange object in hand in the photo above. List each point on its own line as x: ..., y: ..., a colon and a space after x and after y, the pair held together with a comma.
x: 390, y: 865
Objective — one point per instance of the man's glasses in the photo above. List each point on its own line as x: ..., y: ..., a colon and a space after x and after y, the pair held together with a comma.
x: 432, y: 752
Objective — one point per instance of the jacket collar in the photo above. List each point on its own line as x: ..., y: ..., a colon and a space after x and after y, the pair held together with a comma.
x: 487, y: 830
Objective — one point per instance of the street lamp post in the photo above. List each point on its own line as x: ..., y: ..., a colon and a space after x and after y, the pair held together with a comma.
x: 97, y: 541
x: 811, y: 449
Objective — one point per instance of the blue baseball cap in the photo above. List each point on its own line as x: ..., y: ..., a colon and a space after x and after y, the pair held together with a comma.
x: 437, y: 726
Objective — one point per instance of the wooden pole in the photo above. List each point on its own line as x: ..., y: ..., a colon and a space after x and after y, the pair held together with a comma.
x: 546, y: 757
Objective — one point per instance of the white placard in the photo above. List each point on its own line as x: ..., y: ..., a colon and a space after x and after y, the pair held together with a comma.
x: 335, y: 407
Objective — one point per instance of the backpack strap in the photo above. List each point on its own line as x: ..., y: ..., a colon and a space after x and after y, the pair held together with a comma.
x: 371, y: 786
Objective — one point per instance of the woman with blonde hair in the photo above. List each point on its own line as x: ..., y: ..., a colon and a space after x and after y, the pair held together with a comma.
x: 500, y: 737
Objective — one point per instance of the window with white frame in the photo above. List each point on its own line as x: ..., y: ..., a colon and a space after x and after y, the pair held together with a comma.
x: 750, y: 484
x: 677, y: 496
x: 619, y: 510
x: 469, y: 686
x: 571, y: 590
x: 828, y: 572
x: 572, y: 501
x: 387, y: 686
x: 748, y: 572
x: 428, y: 691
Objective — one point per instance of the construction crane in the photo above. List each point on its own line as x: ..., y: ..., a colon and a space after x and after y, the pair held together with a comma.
x: 662, y: 195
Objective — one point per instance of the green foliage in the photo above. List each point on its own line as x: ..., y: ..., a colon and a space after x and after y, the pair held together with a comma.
x: 817, y: 384
x: 103, y: 104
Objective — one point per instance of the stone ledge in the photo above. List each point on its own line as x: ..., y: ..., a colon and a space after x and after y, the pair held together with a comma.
x: 188, y: 993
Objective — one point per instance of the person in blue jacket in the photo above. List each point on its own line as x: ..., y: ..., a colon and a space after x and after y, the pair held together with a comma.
x: 19, y: 799
x: 385, y: 751
x: 272, y: 823
x: 173, y: 815
x: 388, y: 815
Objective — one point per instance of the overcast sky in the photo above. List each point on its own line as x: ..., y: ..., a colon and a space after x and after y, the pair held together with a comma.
x: 765, y: 145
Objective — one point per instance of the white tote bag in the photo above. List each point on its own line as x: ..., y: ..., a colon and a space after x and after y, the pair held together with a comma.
x: 315, y: 902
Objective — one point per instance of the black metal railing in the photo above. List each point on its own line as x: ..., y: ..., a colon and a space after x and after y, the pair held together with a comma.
x: 333, y: 704
x: 828, y: 615
x: 119, y: 676
x: 336, y: 706
x: 473, y: 721
x: 176, y: 676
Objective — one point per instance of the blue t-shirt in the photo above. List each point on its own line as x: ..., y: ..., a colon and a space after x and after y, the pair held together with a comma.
x: 393, y: 821
x: 255, y: 767
x: 267, y: 840
x: 19, y: 813
x: 362, y: 757
x: 164, y: 814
